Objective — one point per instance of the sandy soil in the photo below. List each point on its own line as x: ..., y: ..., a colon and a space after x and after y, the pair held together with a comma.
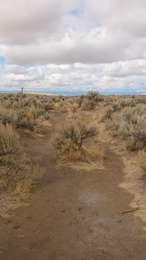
x: 75, y: 215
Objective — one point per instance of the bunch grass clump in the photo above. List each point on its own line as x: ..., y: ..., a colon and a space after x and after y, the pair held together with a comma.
x: 70, y: 143
x: 17, y: 172
x: 9, y: 140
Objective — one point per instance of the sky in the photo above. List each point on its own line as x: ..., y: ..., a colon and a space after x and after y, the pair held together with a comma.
x: 73, y: 45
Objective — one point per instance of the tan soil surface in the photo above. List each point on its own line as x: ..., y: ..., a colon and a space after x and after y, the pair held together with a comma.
x: 75, y: 215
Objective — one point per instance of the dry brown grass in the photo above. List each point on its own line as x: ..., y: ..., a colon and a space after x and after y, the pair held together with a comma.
x: 18, y: 175
x: 77, y: 143
x: 9, y: 140
x: 141, y: 157
x: 89, y: 101
x: 27, y: 111
x: 70, y: 141
x: 129, y: 123
x: 125, y: 120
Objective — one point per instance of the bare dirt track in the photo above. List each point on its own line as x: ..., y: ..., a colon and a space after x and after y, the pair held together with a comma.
x: 75, y: 215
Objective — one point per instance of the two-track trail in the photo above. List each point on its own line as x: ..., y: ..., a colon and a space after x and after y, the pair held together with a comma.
x: 74, y: 215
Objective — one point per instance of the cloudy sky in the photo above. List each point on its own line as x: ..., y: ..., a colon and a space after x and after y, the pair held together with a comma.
x: 73, y: 44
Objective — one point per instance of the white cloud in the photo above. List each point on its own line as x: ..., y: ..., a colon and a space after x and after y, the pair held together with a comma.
x: 90, y: 42
x: 46, y: 31
x: 99, y: 76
